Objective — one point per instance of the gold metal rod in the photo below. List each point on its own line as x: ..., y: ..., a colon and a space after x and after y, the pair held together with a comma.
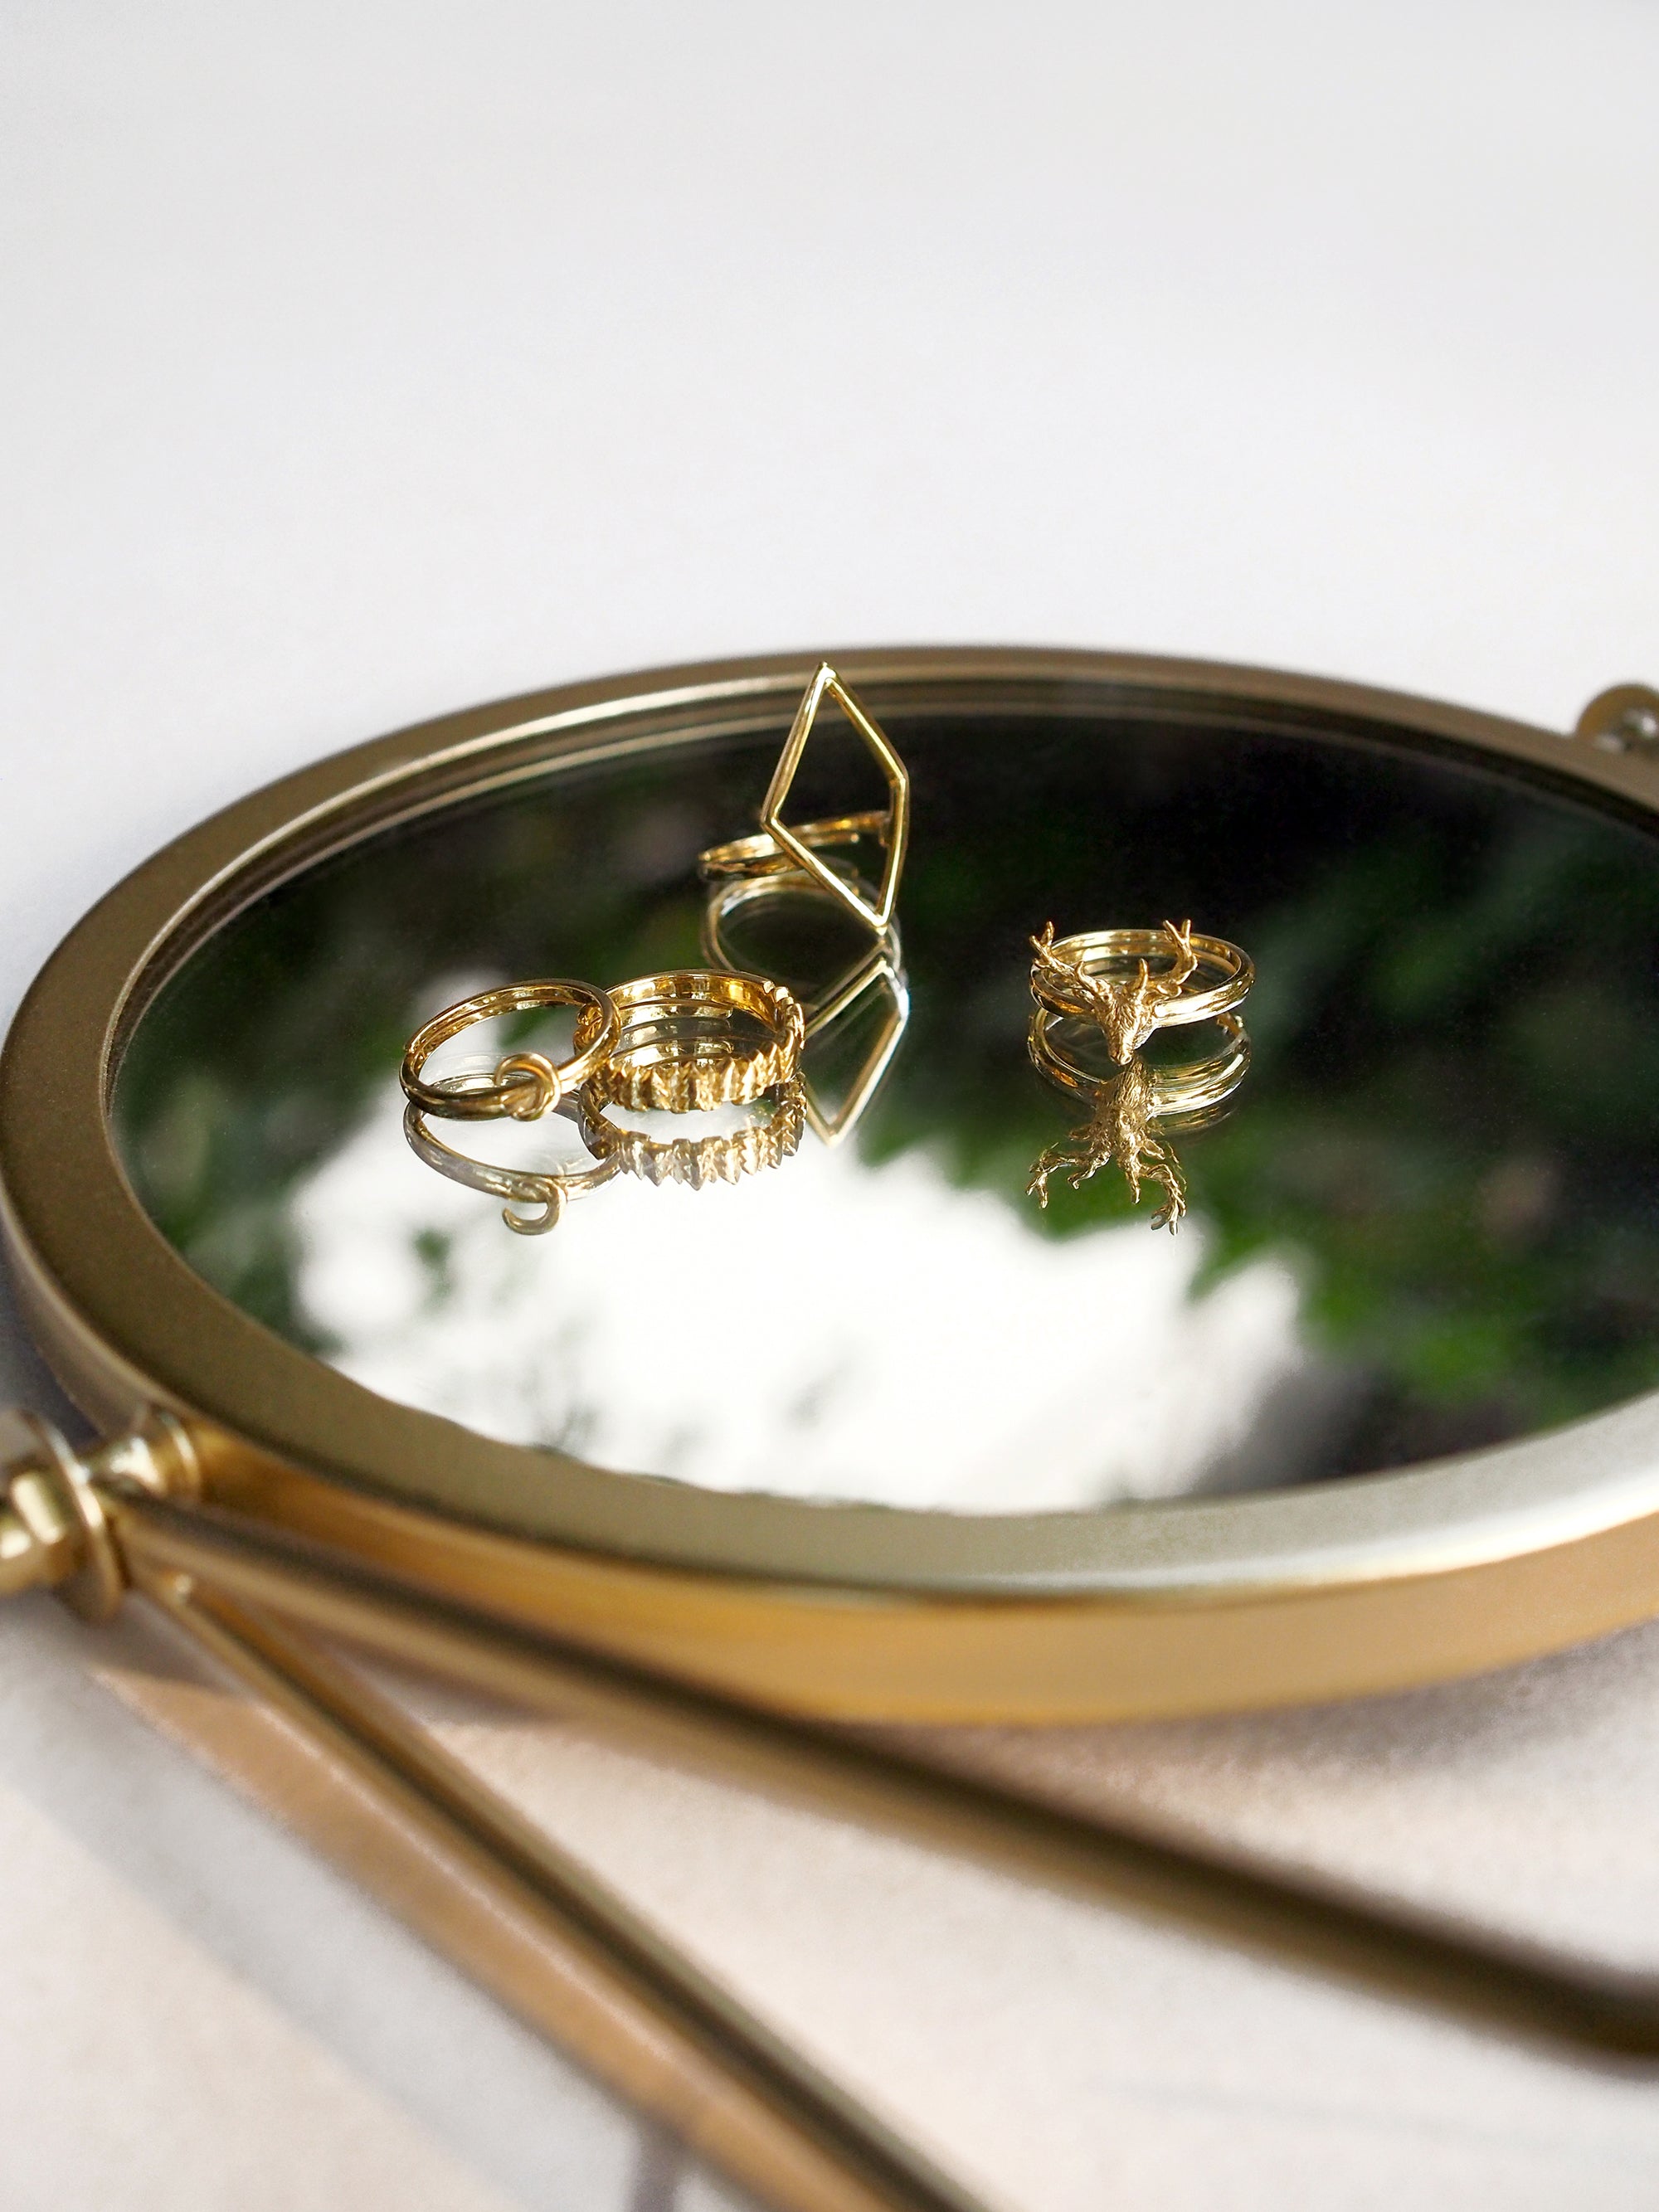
x: 765, y: 2114
x: 1522, y: 1988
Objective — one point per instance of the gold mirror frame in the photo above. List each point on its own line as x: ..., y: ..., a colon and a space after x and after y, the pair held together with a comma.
x: 829, y: 1611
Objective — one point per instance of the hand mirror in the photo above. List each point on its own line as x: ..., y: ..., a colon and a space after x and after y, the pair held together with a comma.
x: 872, y: 1436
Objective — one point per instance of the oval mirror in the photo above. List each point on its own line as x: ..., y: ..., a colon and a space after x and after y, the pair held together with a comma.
x: 870, y: 1429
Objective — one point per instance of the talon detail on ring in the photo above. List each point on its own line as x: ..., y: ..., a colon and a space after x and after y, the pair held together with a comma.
x: 1131, y: 1107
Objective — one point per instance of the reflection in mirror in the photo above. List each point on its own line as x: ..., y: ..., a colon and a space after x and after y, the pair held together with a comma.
x: 1431, y: 1224
x: 765, y: 1134
x: 1127, y: 1103
x: 534, y: 1200
x: 856, y: 995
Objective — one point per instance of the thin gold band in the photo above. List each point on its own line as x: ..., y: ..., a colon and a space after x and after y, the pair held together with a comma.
x: 677, y: 1053
x: 761, y: 854
x: 1102, y: 952
x: 526, y: 1084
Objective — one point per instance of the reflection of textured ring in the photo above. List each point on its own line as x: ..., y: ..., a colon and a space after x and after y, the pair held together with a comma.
x: 1109, y: 956
x: 1193, y: 1087
x: 548, y: 1188
x: 763, y: 855
x: 679, y: 1051
x: 525, y: 1084
x: 762, y: 1142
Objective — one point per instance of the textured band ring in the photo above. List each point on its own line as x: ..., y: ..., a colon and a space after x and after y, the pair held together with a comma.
x: 525, y: 1084
x: 680, y: 1049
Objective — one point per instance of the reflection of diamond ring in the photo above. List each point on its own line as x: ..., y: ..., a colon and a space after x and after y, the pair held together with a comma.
x: 834, y: 992
x: 548, y: 1188
x: 525, y: 1084
x: 1109, y: 976
x: 1193, y: 1087
x: 760, y: 892
x: 781, y: 850
x: 684, y: 1045
x: 763, y: 1141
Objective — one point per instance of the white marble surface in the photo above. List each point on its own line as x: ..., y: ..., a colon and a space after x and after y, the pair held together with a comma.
x: 361, y: 361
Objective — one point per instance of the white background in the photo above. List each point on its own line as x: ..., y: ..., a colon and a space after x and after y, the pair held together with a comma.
x: 361, y: 360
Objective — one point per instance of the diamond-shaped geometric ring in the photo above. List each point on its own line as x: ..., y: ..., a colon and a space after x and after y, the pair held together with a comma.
x: 895, y: 832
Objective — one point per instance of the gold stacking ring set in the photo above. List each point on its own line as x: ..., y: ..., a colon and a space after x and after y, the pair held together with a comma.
x: 683, y: 1042
x: 696, y: 1038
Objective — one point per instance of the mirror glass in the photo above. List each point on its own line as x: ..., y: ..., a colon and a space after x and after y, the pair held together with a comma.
x: 1427, y: 1219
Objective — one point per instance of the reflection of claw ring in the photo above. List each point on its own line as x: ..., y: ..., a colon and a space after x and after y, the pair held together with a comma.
x: 764, y: 1142
x: 525, y: 1084
x: 1196, y: 1086
x: 680, y: 1050
x: 1129, y: 1107
x: 517, y: 1187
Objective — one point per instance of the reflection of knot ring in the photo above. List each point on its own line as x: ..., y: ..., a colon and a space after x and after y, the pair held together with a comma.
x: 1193, y: 1087
x: 525, y: 1084
x: 683, y: 1045
x: 547, y: 1189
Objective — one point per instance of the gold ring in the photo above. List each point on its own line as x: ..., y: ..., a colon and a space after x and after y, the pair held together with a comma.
x: 1108, y: 976
x: 547, y: 1188
x: 781, y: 850
x: 525, y: 1084
x: 761, y: 854
x: 679, y: 1053
x: 764, y: 1142
x: 1195, y: 1087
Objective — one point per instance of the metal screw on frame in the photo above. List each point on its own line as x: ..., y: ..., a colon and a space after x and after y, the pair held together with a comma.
x: 1623, y: 718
